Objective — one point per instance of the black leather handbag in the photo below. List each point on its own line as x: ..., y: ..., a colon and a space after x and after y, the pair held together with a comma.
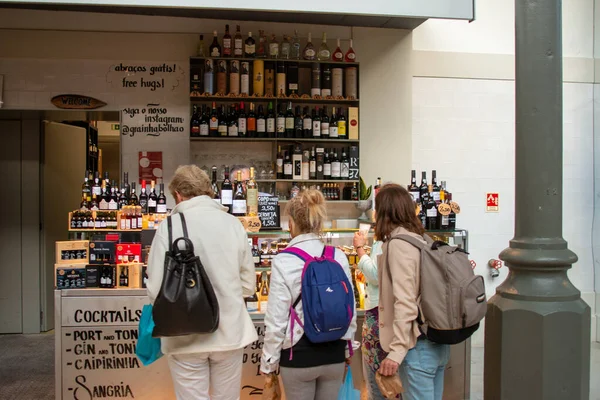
x: 186, y: 303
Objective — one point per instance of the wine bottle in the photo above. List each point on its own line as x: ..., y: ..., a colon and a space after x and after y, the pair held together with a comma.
x: 263, y: 296
x: 251, y: 122
x: 297, y: 163
x: 326, y: 166
x: 309, y: 50
x: 298, y: 123
x: 144, y: 199
x: 273, y: 47
x: 133, y: 198
x: 279, y: 163
x: 345, y: 166
x: 261, y: 123
x: 289, y: 121
x: 152, y: 199
x: 341, y: 125
x: 435, y: 187
x: 338, y: 54
x: 431, y: 210
x: 287, y: 166
x: 307, y: 124
x: 336, y: 167
x: 237, y: 42
x: 204, y: 123
x: 350, y: 54
x: 239, y: 199
x: 333, y: 125
x: 423, y: 189
x: 295, y: 50
x: 271, y: 121
x: 252, y: 195
x: 280, y: 122
x: 227, y: 42
x: 316, y: 123
x: 250, y: 48
x: 215, y: 48
x: 324, y: 124
x: 413, y: 189
x: 127, y: 187
x: 195, y: 122
x: 227, y: 192
x: 312, y: 165
x: 223, y: 125
x: 215, y: 186
x: 96, y: 188
x: 242, y: 121
x: 213, y: 123
x: 324, y: 53
x: 232, y: 125
x: 161, y: 201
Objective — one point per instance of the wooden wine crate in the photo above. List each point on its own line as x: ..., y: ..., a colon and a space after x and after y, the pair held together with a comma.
x: 135, y: 275
x: 70, y: 247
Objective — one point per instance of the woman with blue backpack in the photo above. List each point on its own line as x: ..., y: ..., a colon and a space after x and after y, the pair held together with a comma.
x: 311, y: 316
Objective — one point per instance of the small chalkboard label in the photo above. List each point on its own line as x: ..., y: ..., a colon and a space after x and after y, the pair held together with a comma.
x: 354, y: 168
x: 268, y: 212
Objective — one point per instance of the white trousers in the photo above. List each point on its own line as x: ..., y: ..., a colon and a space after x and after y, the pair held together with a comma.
x: 197, y: 375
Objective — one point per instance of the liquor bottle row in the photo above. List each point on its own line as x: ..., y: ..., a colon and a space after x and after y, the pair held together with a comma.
x: 265, y: 79
x: 288, y: 49
x: 235, y: 122
x: 104, y: 194
x: 435, y: 207
x: 319, y: 164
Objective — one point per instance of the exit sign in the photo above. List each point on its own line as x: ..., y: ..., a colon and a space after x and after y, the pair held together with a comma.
x: 115, y: 127
x: 491, y: 202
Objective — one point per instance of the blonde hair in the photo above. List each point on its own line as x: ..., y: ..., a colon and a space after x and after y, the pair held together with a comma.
x: 190, y: 181
x: 308, y: 211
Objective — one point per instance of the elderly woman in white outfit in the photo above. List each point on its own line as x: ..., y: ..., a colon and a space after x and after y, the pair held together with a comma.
x: 208, y: 363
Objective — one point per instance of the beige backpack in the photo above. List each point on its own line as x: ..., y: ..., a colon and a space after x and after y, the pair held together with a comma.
x: 453, y: 300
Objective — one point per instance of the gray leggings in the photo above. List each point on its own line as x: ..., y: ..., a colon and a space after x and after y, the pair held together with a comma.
x: 314, y: 383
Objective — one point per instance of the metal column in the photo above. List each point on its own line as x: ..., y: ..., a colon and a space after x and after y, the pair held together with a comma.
x: 537, y: 337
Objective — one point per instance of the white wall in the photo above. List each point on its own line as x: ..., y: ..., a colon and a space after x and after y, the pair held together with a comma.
x: 39, y: 64
x: 463, y: 126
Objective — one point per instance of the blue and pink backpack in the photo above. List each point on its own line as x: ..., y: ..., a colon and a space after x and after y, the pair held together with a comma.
x: 327, y: 297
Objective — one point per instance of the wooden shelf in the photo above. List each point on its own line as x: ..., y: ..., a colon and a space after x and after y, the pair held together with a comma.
x: 275, y: 60
x: 272, y: 140
x: 307, y: 181
x: 105, y: 230
x: 251, y: 99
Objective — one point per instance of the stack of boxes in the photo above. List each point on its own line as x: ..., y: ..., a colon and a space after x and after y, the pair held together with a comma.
x: 102, y: 264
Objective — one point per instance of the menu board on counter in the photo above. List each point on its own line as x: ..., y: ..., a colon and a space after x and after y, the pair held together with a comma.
x: 98, y: 341
x: 268, y: 212
x: 96, y: 351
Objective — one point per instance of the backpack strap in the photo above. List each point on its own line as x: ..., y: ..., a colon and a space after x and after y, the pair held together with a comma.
x: 416, y: 243
x: 170, y: 231
x: 184, y: 226
x: 329, y: 252
x: 298, y: 252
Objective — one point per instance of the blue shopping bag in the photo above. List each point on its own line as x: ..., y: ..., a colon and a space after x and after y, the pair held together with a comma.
x: 148, y: 347
x: 347, y: 391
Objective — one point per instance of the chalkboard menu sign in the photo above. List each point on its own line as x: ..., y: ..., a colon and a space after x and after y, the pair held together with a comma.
x: 268, y: 212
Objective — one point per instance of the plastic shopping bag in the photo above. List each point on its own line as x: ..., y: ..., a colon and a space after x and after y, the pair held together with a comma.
x: 347, y: 391
x: 148, y: 347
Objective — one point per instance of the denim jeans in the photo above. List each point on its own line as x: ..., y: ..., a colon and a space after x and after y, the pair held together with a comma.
x: 422, y: 371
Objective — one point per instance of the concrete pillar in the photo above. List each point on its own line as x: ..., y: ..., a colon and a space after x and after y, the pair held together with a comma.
x: 537, y: 333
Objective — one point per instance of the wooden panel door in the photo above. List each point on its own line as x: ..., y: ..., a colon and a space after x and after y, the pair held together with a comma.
x: 63, y: 163
x: 11, y: 307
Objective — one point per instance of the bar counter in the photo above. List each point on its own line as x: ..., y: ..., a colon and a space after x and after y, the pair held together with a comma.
x: 96, y: 334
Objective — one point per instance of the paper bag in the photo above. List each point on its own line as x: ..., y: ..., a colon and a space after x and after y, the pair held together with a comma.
x: 271, y: 391
x: 389, y: 386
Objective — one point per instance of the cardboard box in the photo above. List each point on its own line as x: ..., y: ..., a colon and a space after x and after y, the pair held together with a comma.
x: 92, y: 276
x: 107, y: 276
x: 69, y: 276
x: 354, y: 172
x: 72, y: 252
x: 102, y: 252
x: 129, y: 252
x: 353, y: 123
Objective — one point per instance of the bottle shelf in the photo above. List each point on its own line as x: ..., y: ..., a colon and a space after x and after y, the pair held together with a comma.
x: 275, y: 60
x: 105, y: 230
x: 273, y: 140
x: 308, y: 181
x: 330, y: 202
x: 256, y: 99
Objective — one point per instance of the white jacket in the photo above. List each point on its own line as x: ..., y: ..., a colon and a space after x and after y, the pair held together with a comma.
x: 285, y: 287
x: 221, y: 242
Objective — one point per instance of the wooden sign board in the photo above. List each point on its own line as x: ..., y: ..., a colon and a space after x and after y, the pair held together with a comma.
x: 76, y: 102
x: 268, y: 211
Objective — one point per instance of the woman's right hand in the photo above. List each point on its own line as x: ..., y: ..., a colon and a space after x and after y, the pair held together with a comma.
x: 359, y: 240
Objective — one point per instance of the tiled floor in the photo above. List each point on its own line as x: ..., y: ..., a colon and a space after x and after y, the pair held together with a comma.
x: 27, y: 368
x: 477, y: 373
